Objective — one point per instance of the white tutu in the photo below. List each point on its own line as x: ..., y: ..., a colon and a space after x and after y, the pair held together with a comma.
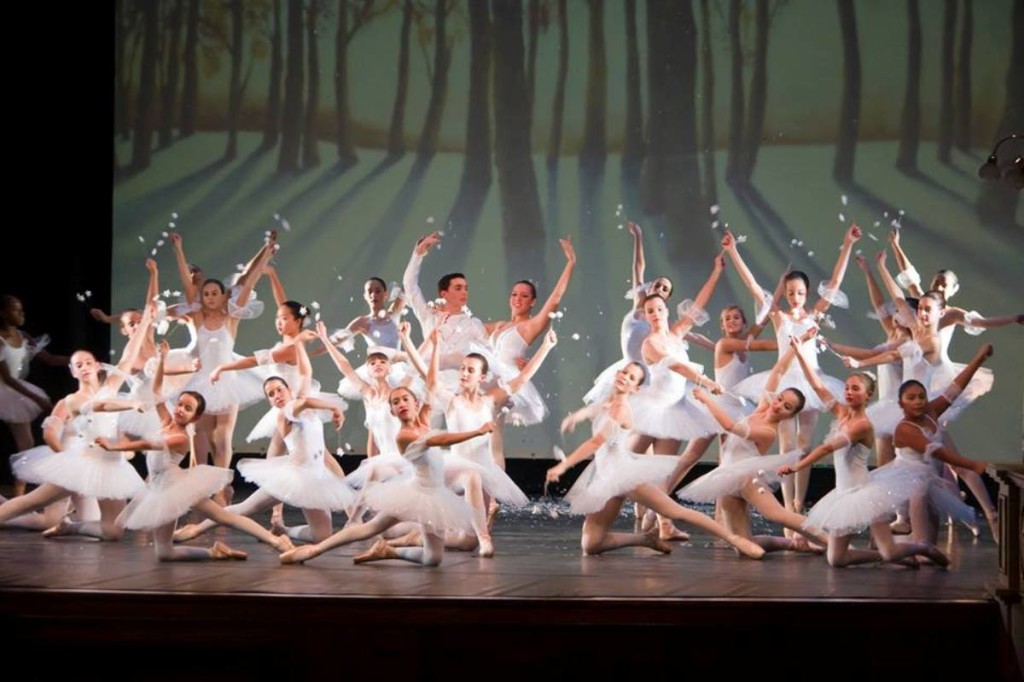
x: 944, y: 501
x: 410, y: 499
x: 886, y: 491
x: 171, y: 493
x: 885, y: 416
x: 730, y: 478
x: 305, y: 485
x: 378, y: 469
x: 16, y: 408
x: 666, y: 410
x: 496, y: 482
x: 86, y: 470
x: 614, y: 472
x: 242, y: 388
x: 20, y: 463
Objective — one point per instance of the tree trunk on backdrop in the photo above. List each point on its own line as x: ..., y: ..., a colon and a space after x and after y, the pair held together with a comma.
x: 997, y: 202
x: 439, y: 84
x: 633, y: 136
x: 910, y: 122
x: 142, y: 142
x: 477, y: 168
x: 707, y: 80
x: 522, y: 221
x: 235, y: 84
x: 170, y: 91
x: 396, y: 134
x: 758, y: 93
x: 533, y: 34
x: 190, y: 87
x: 558, y: 104
x: 593, y: 150
x: 962, y: 135
x: 849, y: 110
x: 310, y: 150
x: 342, y: 111
x: 291, y: 121
x: 946, y: 76
x: 737, y: 109
x: 671, y: 181
x: 272, y: 122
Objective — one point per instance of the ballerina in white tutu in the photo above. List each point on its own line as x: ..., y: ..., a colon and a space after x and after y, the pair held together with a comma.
x: 919, y: 438
x: 21, y: 402
x: 510, y: 340
x: 171, y: 491
x: 616, y: 474
x: 307, y: 477
x: 465, y: 409
x: 379, y: 326
x: 635, y: 327
x: 797, y: 434
x: 947, y: 282
x: 745, y: 475
x: 71, y: 463
x: 216, y: 320
x: 860, y: 499
x: 423, y: 498
x: 386, y: 461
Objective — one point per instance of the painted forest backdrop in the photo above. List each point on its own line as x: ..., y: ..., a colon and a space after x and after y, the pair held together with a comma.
x: 355, y: 126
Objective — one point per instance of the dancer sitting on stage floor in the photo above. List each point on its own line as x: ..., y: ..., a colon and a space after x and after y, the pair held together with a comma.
x: 422, y: 498
x: 616, y: 474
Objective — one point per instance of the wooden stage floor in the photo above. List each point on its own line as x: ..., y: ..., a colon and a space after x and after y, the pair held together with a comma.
x: 535, y: 597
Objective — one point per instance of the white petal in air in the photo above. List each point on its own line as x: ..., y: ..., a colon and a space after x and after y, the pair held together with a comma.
x: 174, y: 216
x: 430, y: 219
x: 277, y: 216
x: 142, y: 240
x: 159, y: 242
x: 810, y: 254
x: 314, y: 305
x: 286, y: 225
x: 153, y: 252
x: 842, y: 198
x: 873, y: 237
x: 239, y: 266
x: 740, y: 238
x: 842, y: 218
x: 714, y: 209
x: 575, y: 337
x: 164, y: 235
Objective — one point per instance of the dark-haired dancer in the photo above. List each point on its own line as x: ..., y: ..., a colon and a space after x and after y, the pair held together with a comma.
x: 216, y: 320
x: 616, y: 474
x: 796, y: 322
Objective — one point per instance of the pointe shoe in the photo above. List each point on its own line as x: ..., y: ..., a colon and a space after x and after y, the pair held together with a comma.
x: 61, y: 528
x: 668, y: 532
x: 747, y: 548
x: 492, y: 513
x: 380, y: 550
x: 186, y: 533
x: 649, y: 521
x: 222, y: 551
x: 284, y: 544
x: 298, y: 555
x: 486, y: 550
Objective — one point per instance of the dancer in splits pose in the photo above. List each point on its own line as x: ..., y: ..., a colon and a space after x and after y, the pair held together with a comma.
x: 617, y: 475
x: 422, y: 498
x: 172, y: 491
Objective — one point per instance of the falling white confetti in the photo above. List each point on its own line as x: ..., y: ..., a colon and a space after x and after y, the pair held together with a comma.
x: 80, y: 297
x: 810, y: 254
x: 873, y: 237
x: 901, y: 211
x: 160, y: 242
x: 277, y: 216
x: 842, y: 218
x: 167, y: 293
x: 88, y: 294
x: 843, y: 199
x: 575, y: 337
x: 171, y: 225
x: 164, y: 235
x: 141, y: 239
x: 286, y: 225
x: 714, y: 209
x: 714, y: 224
x: 621, y: 226
x: 314, y: 305
x: 741, y: 238
x: 339, y: 452
x: 153, y: 252
x: 174, y: 216
x: 239, y: 266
